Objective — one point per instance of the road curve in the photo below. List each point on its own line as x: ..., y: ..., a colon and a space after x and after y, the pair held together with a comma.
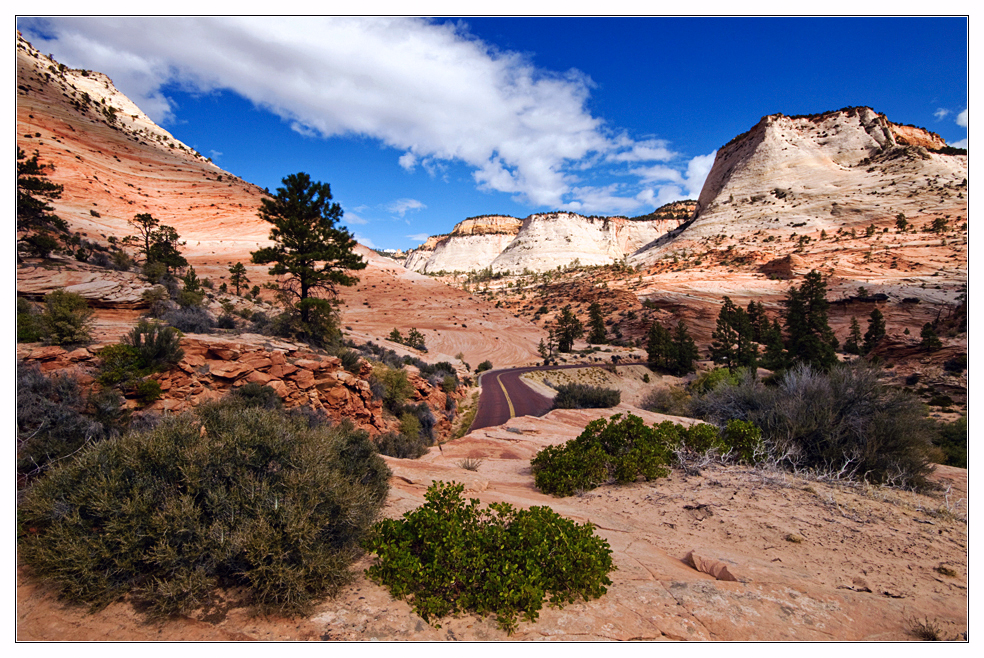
x: 504, y: 395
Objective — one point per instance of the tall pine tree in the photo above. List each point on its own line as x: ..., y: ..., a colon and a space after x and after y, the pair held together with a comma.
x: 809, y: 338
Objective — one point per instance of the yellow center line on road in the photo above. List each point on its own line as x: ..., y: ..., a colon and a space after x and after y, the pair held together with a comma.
x: 512, y: 411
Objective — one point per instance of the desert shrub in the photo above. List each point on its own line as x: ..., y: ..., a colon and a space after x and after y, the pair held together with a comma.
x: 51, y: 423
x: 844, y: 422
x: 395, y: 386
x: 226, y: 496
x: 956, y: 364
x: 743, y: 439
x: 28, y: 324
x: 585, y: 396
x: 952, y: 440
x: 157, y: 300
x: 157, y: 346
x: 710, y: 380
x: 190, y: 320
x: 350, y: 361
x: 449, y: 556
x: 148, y: 390
x: 410, y: 426
x: 120, y: 365
x: 66, y: 318
x: 449, y: 384
x: 261, y: 323
x: 255, y: 395
x: 225, y: 321
x: 313, y: 418
x: 616, y: 450
x: 397, y: 444
x: 672, y: 400
x: 483, y: 366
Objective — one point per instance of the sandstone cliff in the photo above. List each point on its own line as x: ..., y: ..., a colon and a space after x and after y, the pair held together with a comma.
x: 542, y: 241
x: 837, y: 170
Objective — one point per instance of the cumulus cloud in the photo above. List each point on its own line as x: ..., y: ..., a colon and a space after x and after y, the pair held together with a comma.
x: 960, y: 143
x: 419, y: 237
x: 962, y: 119
x: 364, y: 241
x: 431, y: 90
x: 940, y: 113
x: 401, y: 206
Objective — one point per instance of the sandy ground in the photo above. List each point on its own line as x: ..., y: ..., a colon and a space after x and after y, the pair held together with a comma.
x: 810, y: 560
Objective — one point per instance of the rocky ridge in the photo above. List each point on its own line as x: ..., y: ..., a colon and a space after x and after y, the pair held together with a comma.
x: 540, y: 242
x: 213, y: 366
x: 827, y: 172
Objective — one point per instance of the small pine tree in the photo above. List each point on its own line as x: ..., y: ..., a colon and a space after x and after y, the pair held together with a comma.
x: 810, y: 339
x: 853, y: 343
x: 875, y: 332
x: 238, y: 276
x: 569, y: 328
x: 930, y: 340
x: 659, y: 346
x: 597, y: 323
x: 685, y: 350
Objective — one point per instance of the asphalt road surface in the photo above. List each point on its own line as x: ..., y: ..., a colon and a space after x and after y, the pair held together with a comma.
x: 505, y: 396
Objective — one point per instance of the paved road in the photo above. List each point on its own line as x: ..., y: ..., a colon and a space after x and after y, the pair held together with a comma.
x: 504, y: 395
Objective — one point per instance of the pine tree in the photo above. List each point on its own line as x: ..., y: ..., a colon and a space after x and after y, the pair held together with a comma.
x: 659, y: 346
x: 685, y: 350
x: 809, y: 338
x: 34, y: 212
x: 775, y: 357
x: 569, y: 328
x: 597, y: 323
x: 853, y: 343
x: 724, y: 338
x: 311, y: 254
x: 238, y: 276
x: 930, y: 340
x: 875, y: 332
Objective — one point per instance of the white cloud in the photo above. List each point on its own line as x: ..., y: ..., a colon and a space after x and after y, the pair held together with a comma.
x: 940, y: 113
x: 349, y: 217
x: 431, y: 90
x: 697, y: 170
x: 364, y: 241
x: 959, y: 144
x: 401, y: 206
x: 962, y: 119
x: 419, y: 237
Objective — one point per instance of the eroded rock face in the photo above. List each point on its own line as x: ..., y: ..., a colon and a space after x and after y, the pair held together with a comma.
x: 101, y: 288
x: 212, y: 367
x: 843, y: 169
x: 538, y: 243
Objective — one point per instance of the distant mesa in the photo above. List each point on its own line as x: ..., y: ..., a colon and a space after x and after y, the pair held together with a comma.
x: 543, y: 241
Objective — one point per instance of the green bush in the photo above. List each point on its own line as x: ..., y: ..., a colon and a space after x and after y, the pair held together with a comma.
x: 252, y: 395
x: 952, y: 440
x: 616, y: 450
x: 158, y: 346
x: 226, y: 496
x: 148, y: 390
x: 449, y: 556
x: 66, y: 318
x: 744, y: 439
x: 483, y: 366
x: 710, y: 380
x: 28, y: 325
x: 120, y: 365
x: 585, y: 396
x: 396, y: 387
x: 397, y: 444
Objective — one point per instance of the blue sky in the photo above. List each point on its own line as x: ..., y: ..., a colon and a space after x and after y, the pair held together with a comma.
x: 418, y: 124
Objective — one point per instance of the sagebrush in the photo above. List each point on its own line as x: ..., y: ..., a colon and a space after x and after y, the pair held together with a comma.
x: 224, y: 496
